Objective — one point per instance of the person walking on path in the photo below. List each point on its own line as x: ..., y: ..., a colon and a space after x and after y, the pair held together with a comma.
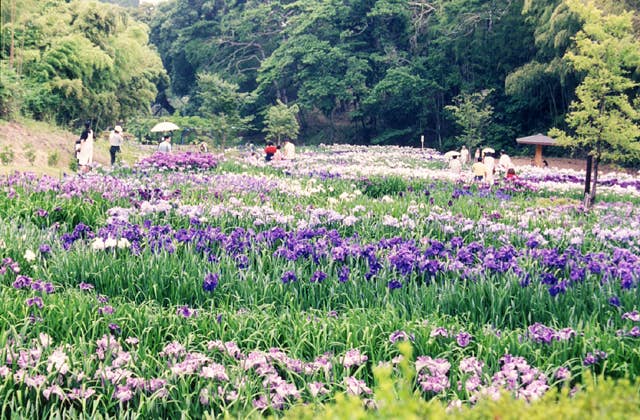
x: 464, y: 155
x: 115, y: 141
x: 85, y: 154
x: 490, y: 163
x: 454, y: 165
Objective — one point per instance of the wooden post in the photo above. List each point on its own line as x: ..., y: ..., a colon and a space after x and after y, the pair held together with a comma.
x: 537, y: 160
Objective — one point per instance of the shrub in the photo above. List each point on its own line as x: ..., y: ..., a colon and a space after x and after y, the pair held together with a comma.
x: 7, y: 155
x: 10, y: 93
x: 377, y: 187
x: 394, y: 399
x: 30, y: 153
x: 53, y: 158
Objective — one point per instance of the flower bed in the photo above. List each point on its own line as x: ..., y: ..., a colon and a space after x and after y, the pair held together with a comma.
x: 205, y: 288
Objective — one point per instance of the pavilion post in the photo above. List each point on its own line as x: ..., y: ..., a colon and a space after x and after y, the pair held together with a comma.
x: 538, y: 157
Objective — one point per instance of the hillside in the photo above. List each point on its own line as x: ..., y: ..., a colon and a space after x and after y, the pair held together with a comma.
x: 45, y: 141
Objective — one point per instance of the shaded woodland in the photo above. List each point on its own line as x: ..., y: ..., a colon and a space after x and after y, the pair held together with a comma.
x: 359, y: 71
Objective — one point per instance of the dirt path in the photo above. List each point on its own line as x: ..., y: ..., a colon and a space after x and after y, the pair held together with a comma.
x: 571, y: 163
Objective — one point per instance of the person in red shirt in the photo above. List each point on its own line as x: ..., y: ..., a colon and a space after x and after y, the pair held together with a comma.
x: 269, y: 151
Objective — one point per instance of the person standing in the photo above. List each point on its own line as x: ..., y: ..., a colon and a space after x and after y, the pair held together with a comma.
x: 115, y: 141
x: 490, y: 163
x: 165, y: 144
x: 270, y: 151
x: 479, y: 170
x: 504, y: 163
x: 85, y: 155
x: 288, y: 150
x: 464, y: 155
x: 454, y: 165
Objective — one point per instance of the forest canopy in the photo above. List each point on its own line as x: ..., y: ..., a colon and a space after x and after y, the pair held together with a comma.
x: 360, y: 71
x: 380, y: 71
x: 69, y: 61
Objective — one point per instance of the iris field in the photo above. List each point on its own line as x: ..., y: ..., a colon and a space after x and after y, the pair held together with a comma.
x: 197, y: 285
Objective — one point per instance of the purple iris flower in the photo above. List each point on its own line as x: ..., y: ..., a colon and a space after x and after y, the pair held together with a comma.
x: 35, y: 301
x: 186, y: 312
x: 394, y: 284
x: 210, y: 282
x: 463, y: 339
x: 343, y: 274
x: 400, y: 336
x: 288, y: 277
x: 318, y: 277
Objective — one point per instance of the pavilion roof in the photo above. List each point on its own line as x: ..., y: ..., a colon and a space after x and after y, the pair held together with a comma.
x: 540, y: 139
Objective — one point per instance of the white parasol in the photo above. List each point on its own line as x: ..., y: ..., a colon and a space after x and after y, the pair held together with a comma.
x: 451, y: 153
x: 164, y: 126
x: 488, y: 150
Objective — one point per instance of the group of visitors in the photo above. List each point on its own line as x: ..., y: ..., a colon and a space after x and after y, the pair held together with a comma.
x: 85, y: 144
x: 484, y: 167
x: 84, y: 147
x: 285, y: 152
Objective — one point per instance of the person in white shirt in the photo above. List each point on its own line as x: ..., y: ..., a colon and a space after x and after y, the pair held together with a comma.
x: 288, y: 150
x: 165, y: 145
x: 490, y: 164
x: 464, y: 155
x: 454, y: 165
x: 115, y: 141
x: 85, y: 154
x: 504, y: 163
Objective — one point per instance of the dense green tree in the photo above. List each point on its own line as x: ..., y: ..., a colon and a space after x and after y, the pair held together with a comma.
x: 473, y: 114
x: 378, y: 71
x: 83, y: 60
x: 222, y: 103
x: 603, y: 118
x: 281, y: 122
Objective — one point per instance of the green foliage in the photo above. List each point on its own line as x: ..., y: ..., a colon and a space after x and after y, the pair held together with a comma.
x: 7, y: 155
x: 81, y: 60
x: 378, y: 187
x: 10, y: 92
x: 281, y: 122
x: 603, y: 118
x: 394, y: 399
x: 362, y: 71
x: 221, y: 102
x: 53, y: 158
x: 474, y: 115
x: 30, y: 153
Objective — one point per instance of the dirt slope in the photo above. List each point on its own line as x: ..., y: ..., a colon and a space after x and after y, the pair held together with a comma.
x: 44, y: 140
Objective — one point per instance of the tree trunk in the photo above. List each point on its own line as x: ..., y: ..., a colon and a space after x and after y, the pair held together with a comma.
x: 13, y: 31
x: 439, y: 106
x: 587, y: 181
x: 332, y: 125
x: 595, y: 181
